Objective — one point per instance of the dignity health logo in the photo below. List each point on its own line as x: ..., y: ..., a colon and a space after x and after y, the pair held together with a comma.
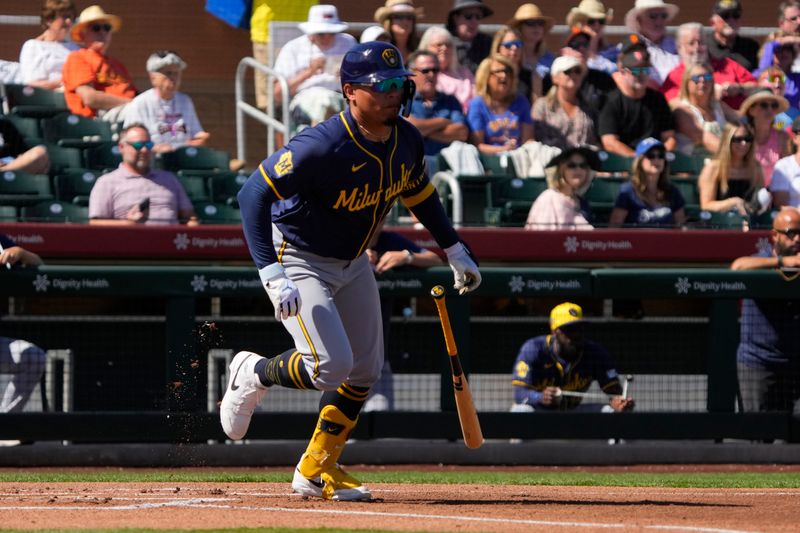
x: 683, y: 286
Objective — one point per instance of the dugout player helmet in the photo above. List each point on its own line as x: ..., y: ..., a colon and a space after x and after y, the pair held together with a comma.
x: 374, y: 62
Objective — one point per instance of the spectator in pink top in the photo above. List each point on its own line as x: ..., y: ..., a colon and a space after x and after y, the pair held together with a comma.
x: 453, y: 78
x: 136, y: 193
x: 772, y: 144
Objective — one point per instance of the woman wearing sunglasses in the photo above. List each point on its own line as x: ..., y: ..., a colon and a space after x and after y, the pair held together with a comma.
x: 731, y: 180
x: 760, y: 110
x: 559, y: 119
x: 591, y: 17
x: 649, y: 198
x: 507, y: 42
x: 562, y: 205
x: 399, y: 19
x: 499, y: 118
x: 534, y: 28
x: 699, y: 116
x: 454, y: 78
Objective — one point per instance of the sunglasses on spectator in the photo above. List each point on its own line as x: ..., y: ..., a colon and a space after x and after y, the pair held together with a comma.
x: 741, y: 139
x: 655, y: 154
x: 472, y: 16
x: 775, y: 79
x: 535, y: 23
x: 138, y: 145
x: 577, y: 44
x: 387, y: 85
x: 639, y: 71
x: 403, y: 17
x: 657, y: 16
x: 591, y: 22
x: 769, y: 105
x: 97, y: 28
x: 574, y: 71
x: 697, y: 78
x: 426, y: 71
x: 791, y: 233
x: 577, y: 164
x: 731, y: 15
x: 511, y: 44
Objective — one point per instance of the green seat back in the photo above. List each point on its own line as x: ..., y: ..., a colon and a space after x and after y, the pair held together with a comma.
x: 225, y: 186
x: 105, y: 156
x: 26, y: 101
x: 75, y: 185
x: 55, y: 211
x: 27, y: 127
x: 612, y: 163
x: 62, y: 158
x: 211, y: 213
x: 195, y: 187
x: 195, y: 158
x: 75, y: 131
x: 20, y: 188
x: 8, y: 213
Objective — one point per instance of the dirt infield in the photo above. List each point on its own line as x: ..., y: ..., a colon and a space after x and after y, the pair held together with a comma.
x: 398, y: 507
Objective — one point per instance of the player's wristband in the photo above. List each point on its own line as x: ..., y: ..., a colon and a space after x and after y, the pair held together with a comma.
x: 780, y: 261
x: 409, y: 257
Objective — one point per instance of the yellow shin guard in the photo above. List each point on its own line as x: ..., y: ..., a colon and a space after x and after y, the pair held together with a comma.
x: 327, y: 442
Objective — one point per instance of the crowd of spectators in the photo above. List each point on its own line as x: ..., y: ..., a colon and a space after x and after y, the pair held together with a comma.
x: 500, y: 91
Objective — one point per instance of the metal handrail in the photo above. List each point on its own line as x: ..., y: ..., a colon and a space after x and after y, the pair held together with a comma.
x: 242, y: 107
x: 449, y: 178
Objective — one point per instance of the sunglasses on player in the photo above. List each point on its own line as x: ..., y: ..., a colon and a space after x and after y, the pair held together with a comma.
x: 387, y: 85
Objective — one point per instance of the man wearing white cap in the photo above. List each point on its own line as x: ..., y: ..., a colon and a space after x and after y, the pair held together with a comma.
x: 649, y: 18
x: 311, y: 62
x: 168, y: 114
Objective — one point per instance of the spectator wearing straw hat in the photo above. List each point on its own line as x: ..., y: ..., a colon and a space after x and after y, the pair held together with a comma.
x: 463, y: 23
x: 760, y: 110
x: 534, y: 26
x: 310, y: 65
x: 96, y: 84
x: 725, y: 41
x: 592, y: 16
x: 649, y: 18
x: 399, y: 19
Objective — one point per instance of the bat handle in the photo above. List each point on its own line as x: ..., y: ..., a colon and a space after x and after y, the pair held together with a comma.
x: 441, y: 306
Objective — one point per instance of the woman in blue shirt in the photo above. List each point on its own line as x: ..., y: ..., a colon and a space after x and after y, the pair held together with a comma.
x: 499, y: 118
x: 649, y: 199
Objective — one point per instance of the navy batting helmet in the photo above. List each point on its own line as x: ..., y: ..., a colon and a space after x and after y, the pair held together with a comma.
x: 372, y: 62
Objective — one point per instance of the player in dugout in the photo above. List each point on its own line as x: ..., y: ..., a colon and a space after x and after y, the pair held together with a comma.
x: 309, y: 213
x: 553, y: 372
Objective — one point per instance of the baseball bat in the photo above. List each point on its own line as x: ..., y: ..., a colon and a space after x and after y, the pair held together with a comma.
x: 628, y: 379
x: 576, y: 394
x: 467, y: 415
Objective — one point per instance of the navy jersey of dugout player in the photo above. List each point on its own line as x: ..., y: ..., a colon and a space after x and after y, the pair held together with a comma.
x: 309, y: 213
x: 565, y: 361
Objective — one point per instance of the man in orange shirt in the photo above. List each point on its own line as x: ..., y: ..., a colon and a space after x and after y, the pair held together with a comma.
x: 94, y: 83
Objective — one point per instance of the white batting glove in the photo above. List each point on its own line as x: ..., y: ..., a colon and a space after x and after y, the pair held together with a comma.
x: 465, y: 271
x: 282, y: 291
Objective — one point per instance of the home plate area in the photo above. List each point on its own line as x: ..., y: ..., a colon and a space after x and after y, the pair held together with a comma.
x: 396, y: 507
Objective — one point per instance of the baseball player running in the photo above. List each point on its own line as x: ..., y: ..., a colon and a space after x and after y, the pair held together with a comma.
x: 309, y: 212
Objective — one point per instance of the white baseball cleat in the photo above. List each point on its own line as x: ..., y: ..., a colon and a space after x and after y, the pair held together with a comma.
x: 334, y: 484
x: 245, y: 391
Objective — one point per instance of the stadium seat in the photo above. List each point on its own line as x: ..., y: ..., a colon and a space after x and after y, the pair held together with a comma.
x: 195, y: 187
x: 62, y: 158
x: 211, y: 213
x: 515, y: 197
x: 26, y: 101
x: 498, y: 165
x: 225, y: 186
x: 8, y: 213
x: 104, y: 157
x: 195, y: 158
x: 602, y: 195
x: 614, y: 164
x: 74, y: 131
x: 20, y: 188
x: 726, y: 220
x: 28, y: 127
x: 681, y: 164
x: 74, y: 185
x: 688, y: 189
x: 55, y: 211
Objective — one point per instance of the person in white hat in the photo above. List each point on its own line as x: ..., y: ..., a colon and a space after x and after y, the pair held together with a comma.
x: 399, y: 19
x: 312, y: 61
x: 96, y: 84
x: 649, y: 18
x: 591, y: 16
x: 168, y: 114
x: 374, y: 33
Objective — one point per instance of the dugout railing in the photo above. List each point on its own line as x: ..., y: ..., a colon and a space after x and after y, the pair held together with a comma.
x: 140, y: 370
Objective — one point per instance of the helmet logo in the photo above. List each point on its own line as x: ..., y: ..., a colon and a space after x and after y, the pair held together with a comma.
x: 390, y: 57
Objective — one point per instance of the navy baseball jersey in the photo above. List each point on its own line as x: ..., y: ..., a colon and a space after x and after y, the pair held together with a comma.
x: 329, y: 188
x: 538, y: 367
